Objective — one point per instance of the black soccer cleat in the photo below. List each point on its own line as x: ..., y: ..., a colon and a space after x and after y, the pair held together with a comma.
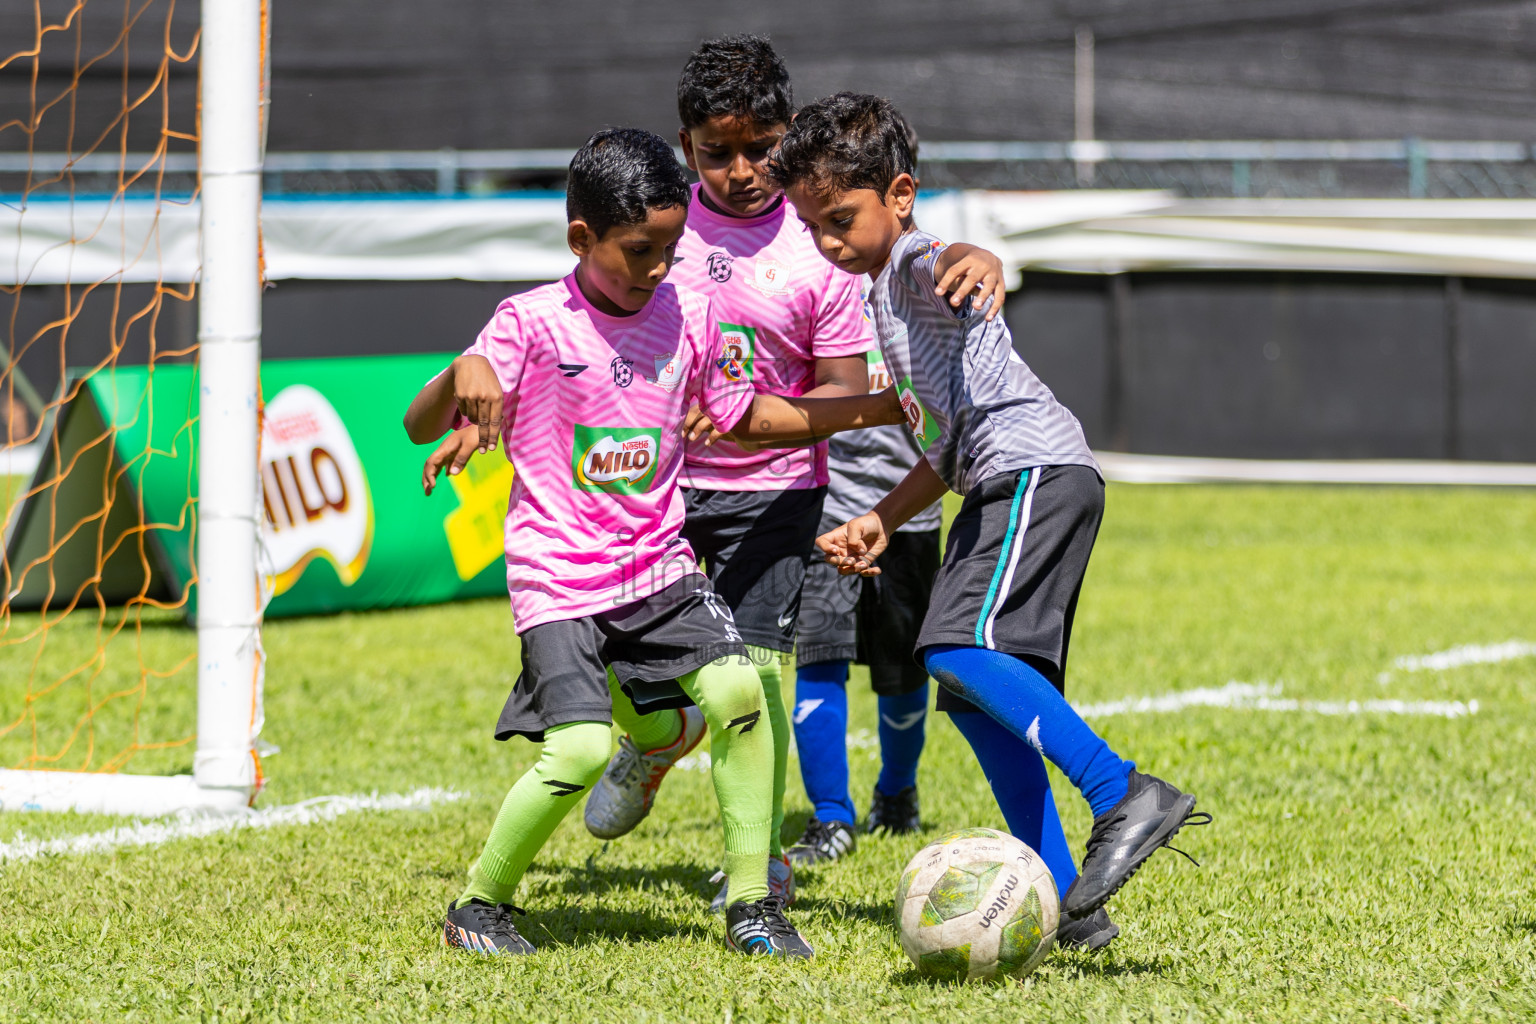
x: 893, y: 815
x: 481, y: 927
x: 761, y: 929
x: 1124, y: 837
x: 1092, y: 933
x: 823, y: 841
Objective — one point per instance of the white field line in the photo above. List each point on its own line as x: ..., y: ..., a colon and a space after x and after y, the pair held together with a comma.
x: 307, y: 812
x: 1267, y: 697
x: 1471, y: 654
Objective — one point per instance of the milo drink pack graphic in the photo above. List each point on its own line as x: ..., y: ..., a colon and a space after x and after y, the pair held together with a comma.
x: 919, y: 421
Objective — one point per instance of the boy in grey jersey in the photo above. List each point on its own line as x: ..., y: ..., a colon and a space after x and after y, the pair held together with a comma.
x: 997, y: 630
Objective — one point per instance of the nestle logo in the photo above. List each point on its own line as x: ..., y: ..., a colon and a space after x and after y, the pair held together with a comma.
x: 293, y: 427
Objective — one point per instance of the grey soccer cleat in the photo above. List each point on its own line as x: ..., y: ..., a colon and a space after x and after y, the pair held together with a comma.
x: 623, y: 796
x: 481, y: 927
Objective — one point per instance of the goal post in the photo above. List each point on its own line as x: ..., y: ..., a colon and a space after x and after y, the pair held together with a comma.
x: 231, y: 587
x: 229, y: 656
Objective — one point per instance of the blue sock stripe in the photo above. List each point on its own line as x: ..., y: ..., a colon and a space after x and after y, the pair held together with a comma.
x: 1005, y: 560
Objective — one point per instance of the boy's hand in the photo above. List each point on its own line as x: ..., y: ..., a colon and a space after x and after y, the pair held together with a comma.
x: 854, y: 546
x: 696, y: 425
x: 977, y: 270
x: 478, y: 395
x: 454, y: 452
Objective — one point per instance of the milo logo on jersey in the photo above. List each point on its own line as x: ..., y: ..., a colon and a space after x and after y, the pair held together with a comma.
x: 614, y: 460
x: 740, y: 345
x: 919, y: 420
x: 879, y: 376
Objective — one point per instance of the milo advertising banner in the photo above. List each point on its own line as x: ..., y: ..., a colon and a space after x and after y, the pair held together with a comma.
x: 344, y: 524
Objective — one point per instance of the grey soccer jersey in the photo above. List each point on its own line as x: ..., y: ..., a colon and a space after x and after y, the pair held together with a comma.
x: 974, y: 407
x: 865, y: 464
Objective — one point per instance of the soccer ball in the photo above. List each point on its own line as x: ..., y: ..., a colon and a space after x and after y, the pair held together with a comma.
x: 977, y: 904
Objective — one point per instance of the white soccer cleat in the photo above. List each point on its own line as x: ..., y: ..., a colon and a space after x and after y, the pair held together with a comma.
x: 623, y: 796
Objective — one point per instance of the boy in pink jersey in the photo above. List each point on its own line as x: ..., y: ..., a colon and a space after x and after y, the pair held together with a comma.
x: 793, y: 326
x: 588, y: 383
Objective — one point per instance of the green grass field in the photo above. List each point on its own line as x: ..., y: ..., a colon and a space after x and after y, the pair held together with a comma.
x: 1362, y: 866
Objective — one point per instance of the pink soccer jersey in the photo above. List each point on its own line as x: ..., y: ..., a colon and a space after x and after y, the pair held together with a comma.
x: 594, y: 408
x: 781, y: 306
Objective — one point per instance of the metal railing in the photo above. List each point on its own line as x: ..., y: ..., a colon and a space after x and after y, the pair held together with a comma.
x: 1389, y: 167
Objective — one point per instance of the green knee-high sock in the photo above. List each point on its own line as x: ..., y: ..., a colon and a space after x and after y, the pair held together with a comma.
x: 741, y: 765
x: 572, y: 759
x: 769, y: 673
x: 649, y: 732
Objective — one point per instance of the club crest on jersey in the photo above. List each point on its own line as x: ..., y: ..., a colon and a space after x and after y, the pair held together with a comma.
x: 669, y: 372
x: 614, y: 460
x: 740, y: 344
x: 718, y: 266
x: 923, y: 428
x: 770, y: 277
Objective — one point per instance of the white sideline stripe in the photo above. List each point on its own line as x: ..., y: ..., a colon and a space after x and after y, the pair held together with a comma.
x: 1175, y: 469
x: 1469, y: 654
x: 1266, y: 697
x: 307, y: 812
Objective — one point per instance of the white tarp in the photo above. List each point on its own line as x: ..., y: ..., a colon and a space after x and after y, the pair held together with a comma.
x: 523, y: 239
x: 1466, y: 237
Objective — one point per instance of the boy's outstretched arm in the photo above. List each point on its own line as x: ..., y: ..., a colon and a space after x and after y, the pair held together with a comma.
x: 854, y: 546
x: 961, y: 269
x: 836, y: 377
x: 777, y: 418
x: 468, y: 386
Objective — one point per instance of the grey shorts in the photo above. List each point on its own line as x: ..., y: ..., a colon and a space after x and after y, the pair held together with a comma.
x: 649, y: 644
x: 873, y: 620
x: 1014, y: 566
x: 753, y: 544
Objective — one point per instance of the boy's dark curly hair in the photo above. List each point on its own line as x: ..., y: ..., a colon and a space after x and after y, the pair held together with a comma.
x: 619, y: 175
x: 847, y: 141
x: 736, y: 76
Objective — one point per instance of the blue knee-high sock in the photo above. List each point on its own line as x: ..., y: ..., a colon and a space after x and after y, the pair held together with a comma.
x: 821, y: 737
x: 1024, y: 701
x: 1017, y: 776
x: 902, y: 722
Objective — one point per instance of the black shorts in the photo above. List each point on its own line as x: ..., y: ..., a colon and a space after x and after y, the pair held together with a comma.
x: 873, y: 620
x: 649, y: 644
x: 1014, y: 566
x: 753, y: 544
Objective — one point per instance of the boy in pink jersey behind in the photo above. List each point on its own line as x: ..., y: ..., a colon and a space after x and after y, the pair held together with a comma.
x: 588, y: 383
x: 793, y: 326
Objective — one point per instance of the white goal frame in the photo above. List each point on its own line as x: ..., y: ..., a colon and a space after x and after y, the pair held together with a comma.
x: 226, y: 771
